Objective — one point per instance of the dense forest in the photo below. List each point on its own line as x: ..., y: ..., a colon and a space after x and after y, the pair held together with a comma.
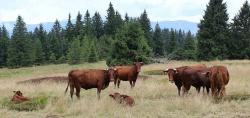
x: 124, y: 40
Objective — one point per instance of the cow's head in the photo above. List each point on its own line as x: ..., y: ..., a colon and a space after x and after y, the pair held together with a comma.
x: 18, y: 93
x: 112, y: 73
x: 207, y: 74
x: 116, y: 96
x: 138, y: 66
x: 171, y: 73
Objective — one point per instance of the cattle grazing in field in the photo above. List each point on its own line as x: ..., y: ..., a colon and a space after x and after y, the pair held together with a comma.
x: 127, y: 73
x: 123, y: 99
x: 87, y: 79
x: 18, y: 97
x: 219, y: 78
x: 186, y: 76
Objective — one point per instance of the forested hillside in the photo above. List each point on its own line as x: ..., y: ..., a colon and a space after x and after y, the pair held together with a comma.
x: 124, y: 40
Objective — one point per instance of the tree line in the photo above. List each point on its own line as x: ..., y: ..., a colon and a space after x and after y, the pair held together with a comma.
x: 124, y: 40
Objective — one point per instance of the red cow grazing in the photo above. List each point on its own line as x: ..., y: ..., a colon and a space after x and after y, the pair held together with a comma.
x: 88, y: 79
x: 195, y: 78
x: 18, y: 97
x: 128, y: 73
x: 123, y: 99
x: 176, y: 75
x: 219, y: 78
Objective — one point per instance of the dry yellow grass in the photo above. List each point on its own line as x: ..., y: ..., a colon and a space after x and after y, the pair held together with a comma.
x: 154, y: 97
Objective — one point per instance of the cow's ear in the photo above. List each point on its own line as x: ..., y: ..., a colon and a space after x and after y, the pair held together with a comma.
x: 207, y: 74
x: 175, y: 70
x: 111, y: 95
x: 141, y: 63
x: 165, y: 71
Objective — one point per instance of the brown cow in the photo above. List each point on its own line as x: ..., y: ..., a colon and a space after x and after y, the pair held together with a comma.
x: 18, y: 97
x: 123, y: 99
x: 176, y: 75
x: 88, y: 79
x: 219, y: 78
x: 127, y: 73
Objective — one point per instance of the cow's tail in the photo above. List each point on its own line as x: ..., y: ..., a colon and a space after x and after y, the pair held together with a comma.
x: 67, y: 85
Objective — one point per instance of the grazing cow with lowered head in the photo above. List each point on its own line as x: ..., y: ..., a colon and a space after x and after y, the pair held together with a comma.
x: 176, y: 75
x: 127, y: 73
x: 219, y: 78
x: 123, y: 99
x: 18, y: 97
x: 87, y: 79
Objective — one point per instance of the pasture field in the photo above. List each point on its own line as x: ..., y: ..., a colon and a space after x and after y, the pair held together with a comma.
x: 155, y: 97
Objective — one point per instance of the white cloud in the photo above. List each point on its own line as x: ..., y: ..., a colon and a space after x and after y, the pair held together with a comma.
x: 36, y: 11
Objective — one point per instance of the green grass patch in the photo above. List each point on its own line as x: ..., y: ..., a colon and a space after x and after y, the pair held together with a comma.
x: 153, y: 72
x: 31, y: 105
x: 239, y: 97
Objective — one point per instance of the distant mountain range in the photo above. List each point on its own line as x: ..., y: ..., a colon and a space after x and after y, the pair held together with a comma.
x: 179, y: 24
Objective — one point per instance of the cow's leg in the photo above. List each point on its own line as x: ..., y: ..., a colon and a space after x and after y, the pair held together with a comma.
x: 118, y: 83
x: 98, y: 92
x: 78, y: 91
x: 115, y: 80
x: 198, y: 89
x: 179, y: 90
x: 207, y: 88
x: 186, y: 89
x: 71, y: 91
x: 134, y: 83
x: 222, y: 91
x: 131, y: 83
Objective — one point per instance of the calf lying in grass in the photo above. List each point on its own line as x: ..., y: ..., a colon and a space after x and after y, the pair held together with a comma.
x: 123, y: 99
x: 18, y: 97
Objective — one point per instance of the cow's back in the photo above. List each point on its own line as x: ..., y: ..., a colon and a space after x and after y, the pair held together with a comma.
x: 215, y: 70
x: 123, y: 72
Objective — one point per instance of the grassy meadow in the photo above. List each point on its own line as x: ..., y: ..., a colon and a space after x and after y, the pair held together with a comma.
x: 154, y: 98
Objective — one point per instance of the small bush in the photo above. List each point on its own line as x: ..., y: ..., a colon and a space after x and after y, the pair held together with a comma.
x: 31, y: 105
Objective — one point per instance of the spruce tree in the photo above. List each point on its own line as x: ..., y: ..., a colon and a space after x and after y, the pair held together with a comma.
x: 130, y: 45
x: 118, y: 22
x: 158, y: 42
x: 240, y: 34
x: 4, y: 40
x: 69, y: 30
x: 88, y: 30
x: 93, y: 55
x: 78, y: 28
x: 109, y: 26
x: 38, y: 52
x: 146, y: 27
x: 172, y: 42
x: 74, y: 54
x: 19, y: 50
x: 126, y: 18
x: 166, y: 38
x: 41, y: 34
x: 213, y: 32
x: 189, y: 47
x: 97, y: 25
x: 57, y: 40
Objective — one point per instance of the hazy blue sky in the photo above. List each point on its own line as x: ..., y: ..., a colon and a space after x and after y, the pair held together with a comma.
x: 36, y: 11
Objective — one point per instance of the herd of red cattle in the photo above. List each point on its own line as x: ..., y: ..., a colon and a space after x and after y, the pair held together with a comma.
x: 198, y: 76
